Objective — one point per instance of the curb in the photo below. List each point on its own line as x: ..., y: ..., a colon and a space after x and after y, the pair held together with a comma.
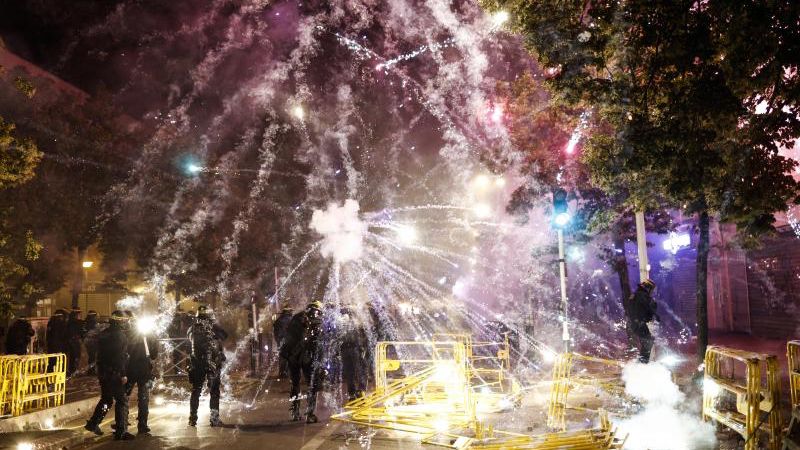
x: 50, y: 417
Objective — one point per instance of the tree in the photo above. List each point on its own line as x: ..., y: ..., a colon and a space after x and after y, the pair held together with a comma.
x: 687, y: 106
x: 541, y: 131
x: 18, y: 160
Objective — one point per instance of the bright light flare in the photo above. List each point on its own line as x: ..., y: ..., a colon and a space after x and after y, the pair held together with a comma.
x: 562, y: 219
x: 298, y: 112
x: 481, y: 182
x: 497, y: 113
x: 146, y: 324
x: 49, y: 424
x: 500, y: 17
x: 159, y: 400
x: 670, y: 360
x: 441, y: 425
x: 548, y: 355
x: 25, y: 446
x: 482, y: 210
x: 500, y: 182
x: 194, y: 168
x: 676, y: 242
x: 87, y: 264
x: 573, y: 142
x: 406, y: 234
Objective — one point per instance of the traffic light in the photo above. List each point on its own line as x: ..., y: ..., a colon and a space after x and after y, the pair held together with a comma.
x: 561, y: 215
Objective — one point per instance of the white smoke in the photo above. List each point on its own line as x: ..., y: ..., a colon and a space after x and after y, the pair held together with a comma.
x: 341, y: 229
x: 663, y: 423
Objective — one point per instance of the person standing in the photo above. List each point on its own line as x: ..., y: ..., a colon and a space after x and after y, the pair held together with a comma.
x: 19, y: 336
x: 640, y: 310
x: 56, y: 336
x: 354, y: 354
x: 140, y: 373
x: 206, y: 360
x: 280, y: 327
x: 112, y: 365
x: 91, y: 340
x: 75, y: 335
x: 302, y: 353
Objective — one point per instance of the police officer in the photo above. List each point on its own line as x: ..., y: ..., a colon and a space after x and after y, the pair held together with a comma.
x: 206, y: 360
x: 75, y: 335
x: 640, y: 309
x: 280, y: 327
x: 19, y: 337
x: 302, y: 352
x: 140, y: 372
x: 112, y: 365
x: 56, y: 336
x: 354, y: 354
x: 91, y: 327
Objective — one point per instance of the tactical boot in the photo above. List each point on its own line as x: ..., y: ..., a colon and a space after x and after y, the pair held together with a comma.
x: 124, y: 436
x: 192, y: 421
x: 215, y: 422
x: 311, y: 418
x: 143, y: 430
x: 295, y: 409
x: 93, y: 428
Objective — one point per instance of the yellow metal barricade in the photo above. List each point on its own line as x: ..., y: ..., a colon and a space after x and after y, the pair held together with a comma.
x: 8, y: 365
x: 793, y: 355
x: 741, y: 391
x: 429, y: 389
x: 572, y: 370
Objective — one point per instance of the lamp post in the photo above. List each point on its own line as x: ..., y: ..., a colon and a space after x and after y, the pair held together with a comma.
x: 562, y: 218
x: 86, y: 266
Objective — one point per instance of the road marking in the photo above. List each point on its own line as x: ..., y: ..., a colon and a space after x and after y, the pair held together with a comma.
x: 318, y: 439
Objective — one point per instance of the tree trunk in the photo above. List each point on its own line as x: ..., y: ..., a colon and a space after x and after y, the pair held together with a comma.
x: 702, y: 286
x: 620, y: 266
x: 77, y: 283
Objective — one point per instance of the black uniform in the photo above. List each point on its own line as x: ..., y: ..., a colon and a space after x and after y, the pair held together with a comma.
x: 56, y: 336
x: 112, y: 365
x: 140, y: 374
x: 90, y: 325
x: 280, y: 327
x: 302, y: 353
x: 75, y: 334
x: 354, y: 351
x: 206, y: 362
x: 641, y: 309
x: 19, y: 337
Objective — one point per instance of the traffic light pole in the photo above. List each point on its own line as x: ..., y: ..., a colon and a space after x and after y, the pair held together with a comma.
x: 562, y: 267
x: 641, y: 245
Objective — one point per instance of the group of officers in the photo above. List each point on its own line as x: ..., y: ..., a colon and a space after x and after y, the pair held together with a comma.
x: 67, y: 333
x: 125, y: 360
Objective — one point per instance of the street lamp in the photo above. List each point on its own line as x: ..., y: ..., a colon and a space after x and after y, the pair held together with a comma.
x: 86, y: 266
x: 562, y: 218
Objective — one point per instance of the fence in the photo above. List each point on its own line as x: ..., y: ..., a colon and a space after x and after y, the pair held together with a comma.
x: 741, y: 392
x: 174, y: 356
x: 29, y: 383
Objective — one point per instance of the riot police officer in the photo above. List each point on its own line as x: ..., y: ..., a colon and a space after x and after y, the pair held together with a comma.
x: 354, y: 351
x: 75, y: 335
x: 90, y: 341
x: 56, y: 336
x: 206, y: 362
x: 140, y: 372
x: 301, y: 349
x: 640, y: 309
x: 112, y: 365
x: 19, y: 337
x: 280, y: 327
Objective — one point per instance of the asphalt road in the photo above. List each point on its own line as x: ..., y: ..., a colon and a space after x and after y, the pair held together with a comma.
x: 264, y: 425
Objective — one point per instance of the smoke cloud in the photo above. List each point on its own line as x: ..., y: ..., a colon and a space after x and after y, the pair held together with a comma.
x: 341, y: 229
x: 663, y: 423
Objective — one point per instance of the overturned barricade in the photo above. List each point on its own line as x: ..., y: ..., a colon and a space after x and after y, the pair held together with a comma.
x: 435, y: 390
x: 572, y: 371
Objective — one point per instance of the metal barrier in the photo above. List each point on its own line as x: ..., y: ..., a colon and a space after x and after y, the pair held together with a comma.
x: 174, y: 356
x: 741, y: 391
x: 793, y: 355
x: 432, y: 389
x: 32, y: 382
x: 572, y: 370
